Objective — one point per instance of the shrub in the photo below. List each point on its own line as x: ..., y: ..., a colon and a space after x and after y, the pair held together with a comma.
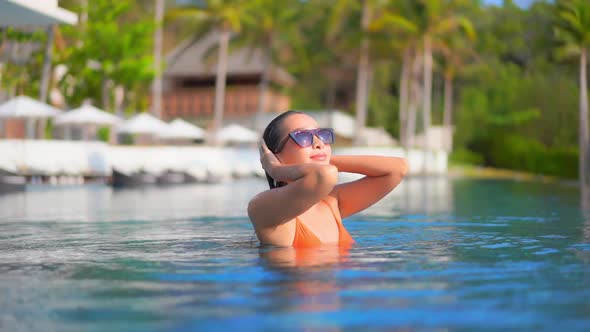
x: 525, y: 154
x: 465, y: 156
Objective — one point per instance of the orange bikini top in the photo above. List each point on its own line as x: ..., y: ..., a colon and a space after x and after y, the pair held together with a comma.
x: 304, y: 238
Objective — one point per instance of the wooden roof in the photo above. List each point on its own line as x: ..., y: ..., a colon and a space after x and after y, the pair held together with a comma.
x: 190, y: 59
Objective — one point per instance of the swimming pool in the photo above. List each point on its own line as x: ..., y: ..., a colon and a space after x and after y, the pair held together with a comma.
x: 436, y: 254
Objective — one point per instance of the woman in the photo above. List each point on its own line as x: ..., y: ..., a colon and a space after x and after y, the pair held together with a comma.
x: 304, y: 206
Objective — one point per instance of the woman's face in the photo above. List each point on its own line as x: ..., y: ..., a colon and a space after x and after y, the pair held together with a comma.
x: 318, y: 152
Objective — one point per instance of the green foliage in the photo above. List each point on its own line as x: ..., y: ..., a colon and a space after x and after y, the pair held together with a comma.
x: 464, y: 156
x: 48, y: 134
x: 529, y: 140
x: 21, y: 55
x: 572, y: 26
x: 113, y: 49
x: 103, y: 134
x: 383, y: 105
x: 521, y: 153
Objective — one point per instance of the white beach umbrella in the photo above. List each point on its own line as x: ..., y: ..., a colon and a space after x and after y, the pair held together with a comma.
x: 87, y: 115
x: 180, y: 129
x: 27, y: 107
x: 235, y: 133
x: 143, y: 123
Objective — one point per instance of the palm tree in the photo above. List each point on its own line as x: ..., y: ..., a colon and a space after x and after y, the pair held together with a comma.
x: 327, y: 60
x: 437, y: 19
x: 362, y: 82
x: 273, y: 26
x: 47, y: 58
x: 403, y: 36
x: 419, y: 29
x: 455, y: 50
x: 368, y: 9
x: 157, y: 83
x: 46, y: 74
x: 573, y: 28
x: 227, y: 17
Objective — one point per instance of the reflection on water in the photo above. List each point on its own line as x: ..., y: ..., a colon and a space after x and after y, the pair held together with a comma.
x: 325, y: 256
x: 103, y: 203
x: 437, y: 253
x: 433, y: 194
x: 308, y: 275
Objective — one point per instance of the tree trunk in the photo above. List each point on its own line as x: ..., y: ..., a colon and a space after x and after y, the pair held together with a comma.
x: 3, y: 95
x: 84, y: 13
x: 403, y: 98
x: 427, y: 97
x: 46, y: 73
x: 157, y: 84
x: 331, y: 95
x: 413, y: 101
x: 264, y: 84
x: 448, y: 112
x: 362, y: 77
x: 220, y: 83
x: 119, y: 101
x: 583, y: 139
x: 106, y: 95
x: 46, y: 76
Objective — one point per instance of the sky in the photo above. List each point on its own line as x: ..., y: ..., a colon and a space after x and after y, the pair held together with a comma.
x: 521, y: 3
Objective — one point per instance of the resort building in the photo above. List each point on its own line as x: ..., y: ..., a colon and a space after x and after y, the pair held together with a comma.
x: 189, y: 83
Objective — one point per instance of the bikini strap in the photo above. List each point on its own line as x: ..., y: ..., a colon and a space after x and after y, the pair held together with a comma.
x: 344, y: 237
x: 338, y: 220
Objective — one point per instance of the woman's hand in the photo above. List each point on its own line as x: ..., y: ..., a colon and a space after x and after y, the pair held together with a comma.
x: 268, y: 160
x: 289, y: 173
x: 308, y: 183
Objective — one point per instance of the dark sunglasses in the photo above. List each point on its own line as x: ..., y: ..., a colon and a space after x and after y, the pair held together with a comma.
x: 304, y: 137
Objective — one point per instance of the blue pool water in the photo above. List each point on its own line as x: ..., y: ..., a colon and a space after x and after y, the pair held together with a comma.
x: 436, y: 254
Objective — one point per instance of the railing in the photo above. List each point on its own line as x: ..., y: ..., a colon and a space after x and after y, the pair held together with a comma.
x: 200, y: 102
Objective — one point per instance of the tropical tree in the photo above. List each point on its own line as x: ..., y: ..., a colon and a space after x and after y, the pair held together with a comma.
x: 158, y: 45
x: 456, y: 50
x: 45, y: 76
x: 436, y: 19
x: 402, y: 32
x: 341, y: 12
x: 225, y: 16
x: 111, y: 49
x: 20, y: 55
x: 328, y: 66
x: 274, y: 27
x: 573, y: 28
x: 455, y: 53
x: 418, y: 30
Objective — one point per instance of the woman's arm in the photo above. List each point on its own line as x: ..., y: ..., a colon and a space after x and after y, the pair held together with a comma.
x: 382, y: 175
x: 308, y: 183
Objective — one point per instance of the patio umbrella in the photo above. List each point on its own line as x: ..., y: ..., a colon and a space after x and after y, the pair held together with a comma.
x: 180, y: 129
x: 235, y: 133
x: 143, y: 123
x: 27, y: 107
x: 86, y: 116
x: 23, y: 107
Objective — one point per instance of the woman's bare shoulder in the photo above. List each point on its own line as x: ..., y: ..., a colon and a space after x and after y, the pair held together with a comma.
x: 253, y: 206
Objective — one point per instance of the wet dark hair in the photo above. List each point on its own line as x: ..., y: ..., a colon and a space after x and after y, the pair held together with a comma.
x: 272, y: 137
